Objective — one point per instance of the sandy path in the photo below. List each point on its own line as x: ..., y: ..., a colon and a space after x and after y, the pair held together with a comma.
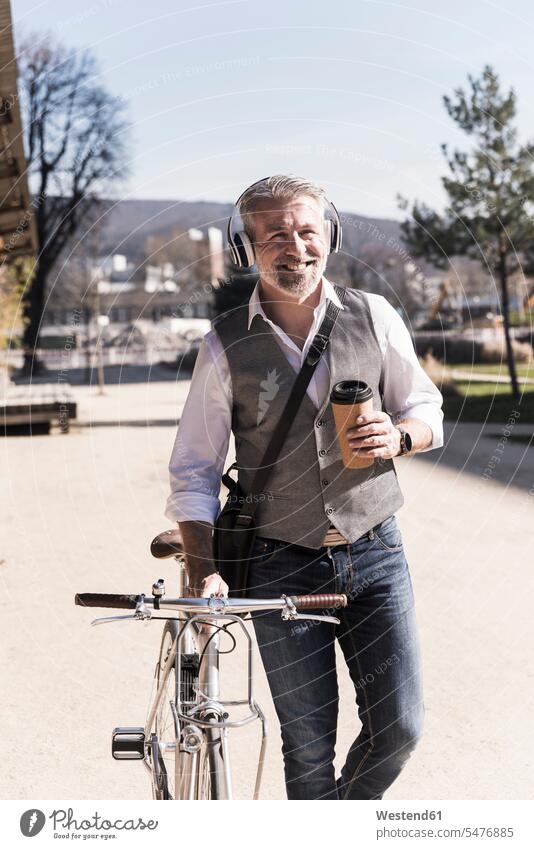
x: 78, y: 512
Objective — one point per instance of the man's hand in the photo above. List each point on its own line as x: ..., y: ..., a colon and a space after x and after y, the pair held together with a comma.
x: 374, y: 435
x: 207, y: 586
x: 211, y: 584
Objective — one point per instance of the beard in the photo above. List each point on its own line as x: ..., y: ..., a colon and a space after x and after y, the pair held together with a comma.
x: 301, y: 283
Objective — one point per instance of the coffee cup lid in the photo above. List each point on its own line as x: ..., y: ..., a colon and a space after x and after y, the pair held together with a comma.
x: 350, y: 392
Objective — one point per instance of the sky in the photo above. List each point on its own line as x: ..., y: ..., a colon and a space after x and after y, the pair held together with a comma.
x: 345, y: 92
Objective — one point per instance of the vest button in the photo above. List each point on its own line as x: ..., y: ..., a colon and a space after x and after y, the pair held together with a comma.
x: 319, y: 423
x: 330, y: 510
x: 322, y: 452
x: 325, y: 482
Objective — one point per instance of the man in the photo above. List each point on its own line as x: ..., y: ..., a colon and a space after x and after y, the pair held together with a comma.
x: 322, y: 527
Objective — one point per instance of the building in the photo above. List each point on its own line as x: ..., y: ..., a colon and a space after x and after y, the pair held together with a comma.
x: 178, y: 293
x: 17, y: 230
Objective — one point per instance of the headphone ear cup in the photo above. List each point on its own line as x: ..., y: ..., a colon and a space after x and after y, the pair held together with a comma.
x: 336, y: 236
x: 243, y: 250
x: 336, y: 230
x: 329, y: 234
x: 233, y: 253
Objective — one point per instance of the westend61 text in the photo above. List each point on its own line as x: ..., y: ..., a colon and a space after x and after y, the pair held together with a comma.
x: 65, y: 819
x: 408, y: 815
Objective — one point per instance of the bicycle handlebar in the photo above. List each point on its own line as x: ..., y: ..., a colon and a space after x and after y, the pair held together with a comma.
x: 318, y: 600
x: 213, y: 605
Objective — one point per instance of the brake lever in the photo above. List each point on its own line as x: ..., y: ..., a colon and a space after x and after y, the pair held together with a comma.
x: 142, y: 612
x: 104, y: 619
x: 133, y: 617
x: 288, y: 615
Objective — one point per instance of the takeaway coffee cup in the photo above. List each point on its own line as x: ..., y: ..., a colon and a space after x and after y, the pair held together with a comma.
x: 349, y: 399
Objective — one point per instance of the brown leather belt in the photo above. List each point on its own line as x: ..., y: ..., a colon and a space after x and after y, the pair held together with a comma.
x: 333, y: 537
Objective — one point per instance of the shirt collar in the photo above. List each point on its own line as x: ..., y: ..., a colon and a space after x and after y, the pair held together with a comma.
x: 327, y: 292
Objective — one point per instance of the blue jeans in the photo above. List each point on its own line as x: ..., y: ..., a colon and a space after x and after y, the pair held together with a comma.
x: 378, y: 637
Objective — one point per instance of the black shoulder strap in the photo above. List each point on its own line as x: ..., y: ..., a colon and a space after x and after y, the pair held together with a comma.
x: 298, y: 391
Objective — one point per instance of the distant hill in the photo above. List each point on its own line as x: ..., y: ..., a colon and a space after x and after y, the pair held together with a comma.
x: 127, y: 223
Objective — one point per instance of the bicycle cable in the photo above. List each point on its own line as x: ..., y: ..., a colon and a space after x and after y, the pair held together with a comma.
x: 210, y: 638
x: 181, y: 631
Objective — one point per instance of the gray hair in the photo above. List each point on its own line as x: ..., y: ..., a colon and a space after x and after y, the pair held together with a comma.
x: 279, y: 187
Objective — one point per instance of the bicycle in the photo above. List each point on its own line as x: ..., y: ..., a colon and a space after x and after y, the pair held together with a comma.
x: 184, y: 742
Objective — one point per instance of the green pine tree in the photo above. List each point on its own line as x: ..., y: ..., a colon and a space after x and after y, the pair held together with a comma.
x: 490, y: 188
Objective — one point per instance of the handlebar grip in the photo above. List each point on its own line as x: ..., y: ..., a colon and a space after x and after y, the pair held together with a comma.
x: 324, y: 600
x: 127, y: 602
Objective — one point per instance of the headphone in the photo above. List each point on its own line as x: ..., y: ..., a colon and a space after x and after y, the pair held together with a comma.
x: 242, y: 249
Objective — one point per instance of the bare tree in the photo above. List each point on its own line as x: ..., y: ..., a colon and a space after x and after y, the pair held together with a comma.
x: 76, y: 150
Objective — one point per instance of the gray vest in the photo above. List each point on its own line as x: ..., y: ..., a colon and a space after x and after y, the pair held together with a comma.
x: 309, y: 488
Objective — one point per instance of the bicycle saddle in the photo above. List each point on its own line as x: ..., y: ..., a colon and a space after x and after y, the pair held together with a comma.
x: 167, y: 544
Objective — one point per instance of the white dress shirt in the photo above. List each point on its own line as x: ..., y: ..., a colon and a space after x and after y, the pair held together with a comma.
x: 203, y: 436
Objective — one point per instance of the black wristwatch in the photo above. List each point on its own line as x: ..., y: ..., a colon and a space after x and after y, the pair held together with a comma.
x: 406, y: 443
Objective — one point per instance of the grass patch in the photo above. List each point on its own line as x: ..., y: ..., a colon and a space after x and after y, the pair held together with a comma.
x: 476, y: 389
x: 492, y: 402
x: 523, y: 369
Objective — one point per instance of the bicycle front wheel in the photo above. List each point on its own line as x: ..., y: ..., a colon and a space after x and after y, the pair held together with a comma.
x: 165, y: 740
x: 212, y: 779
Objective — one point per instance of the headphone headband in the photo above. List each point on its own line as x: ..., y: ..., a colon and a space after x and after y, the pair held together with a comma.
x: 241, y: 247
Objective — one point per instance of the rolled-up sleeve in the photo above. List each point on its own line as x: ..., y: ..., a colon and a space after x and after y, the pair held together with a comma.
x: 202, y: 440
x: 408, y: 390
